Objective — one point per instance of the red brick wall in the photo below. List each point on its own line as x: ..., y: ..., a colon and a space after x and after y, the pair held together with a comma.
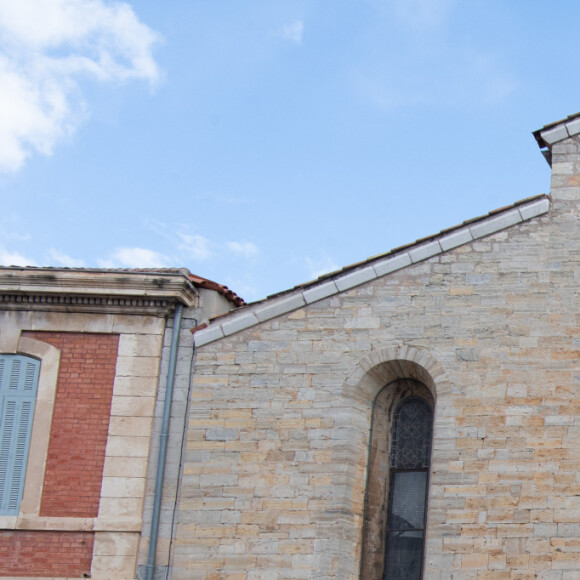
x: 46, y: 554
x: 80, y: 423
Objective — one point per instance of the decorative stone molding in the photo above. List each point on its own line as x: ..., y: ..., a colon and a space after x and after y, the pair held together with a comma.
x: 94, y: 291
x: 382, y: 366
x: 84, y: 303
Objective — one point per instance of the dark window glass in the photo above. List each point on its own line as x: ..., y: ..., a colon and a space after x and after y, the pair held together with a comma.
x: 404, y: 557
x: 411, y: 446
x: 409, y: 462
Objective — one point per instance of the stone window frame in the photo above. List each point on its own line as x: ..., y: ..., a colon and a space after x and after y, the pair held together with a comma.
x: 368, y: 377
x: 377, y: 493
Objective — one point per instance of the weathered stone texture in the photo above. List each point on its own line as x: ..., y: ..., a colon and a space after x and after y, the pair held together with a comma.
x: 275, y: 459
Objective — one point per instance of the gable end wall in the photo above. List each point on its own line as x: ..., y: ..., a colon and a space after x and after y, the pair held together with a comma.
x: 277, y: 441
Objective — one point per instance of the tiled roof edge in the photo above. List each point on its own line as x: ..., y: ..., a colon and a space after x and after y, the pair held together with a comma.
x: 219, y: 288
x: 271, y: 308
x: 169, y: 272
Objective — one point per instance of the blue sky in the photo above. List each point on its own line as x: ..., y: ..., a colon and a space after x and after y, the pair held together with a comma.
x: 261, y: 143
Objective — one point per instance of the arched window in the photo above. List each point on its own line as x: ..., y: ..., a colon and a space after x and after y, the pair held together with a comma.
x: 18, y: 385
x: 397, y: 484
x: 409, y: 473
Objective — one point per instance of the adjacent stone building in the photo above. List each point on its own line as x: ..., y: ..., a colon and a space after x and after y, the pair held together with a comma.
x: 83, y: 369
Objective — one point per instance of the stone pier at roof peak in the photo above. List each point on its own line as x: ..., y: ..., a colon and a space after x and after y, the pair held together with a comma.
x: 556, y: 132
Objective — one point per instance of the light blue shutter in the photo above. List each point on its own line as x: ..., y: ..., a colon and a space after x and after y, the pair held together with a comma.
x: 18, y: 384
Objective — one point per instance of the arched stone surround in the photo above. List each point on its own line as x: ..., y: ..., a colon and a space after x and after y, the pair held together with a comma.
x: 371, y: 375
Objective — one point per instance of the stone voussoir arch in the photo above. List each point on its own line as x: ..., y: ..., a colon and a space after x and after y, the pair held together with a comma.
x: 380, y: 372
x: 382, y: 366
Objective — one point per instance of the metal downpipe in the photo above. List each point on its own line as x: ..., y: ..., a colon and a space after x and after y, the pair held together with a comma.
x: 163, y: 441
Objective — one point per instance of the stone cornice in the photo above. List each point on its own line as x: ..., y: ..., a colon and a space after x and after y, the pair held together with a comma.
x: 94, y: 290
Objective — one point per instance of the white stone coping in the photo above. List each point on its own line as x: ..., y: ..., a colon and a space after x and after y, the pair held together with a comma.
x: 269, y: 309
x: 561, y: 131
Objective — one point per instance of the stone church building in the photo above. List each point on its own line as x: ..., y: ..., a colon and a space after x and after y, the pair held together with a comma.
x: 413, y: 416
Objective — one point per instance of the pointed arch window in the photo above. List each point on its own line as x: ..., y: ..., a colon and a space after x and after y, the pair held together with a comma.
x: 18, y: 387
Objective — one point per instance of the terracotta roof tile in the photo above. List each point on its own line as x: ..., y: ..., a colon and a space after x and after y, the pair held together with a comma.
x: 223, y: 290
x: 197, y: 280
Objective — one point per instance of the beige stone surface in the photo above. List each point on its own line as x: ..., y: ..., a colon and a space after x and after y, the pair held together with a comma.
x: 129, y: 446
x: 139, y: 345
x: 129, y: 406
x: 279, y: 424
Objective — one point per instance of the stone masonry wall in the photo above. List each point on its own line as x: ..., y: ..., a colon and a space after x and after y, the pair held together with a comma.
x: 177, y: 428
x: 277, y: 443
x: 210, y: 304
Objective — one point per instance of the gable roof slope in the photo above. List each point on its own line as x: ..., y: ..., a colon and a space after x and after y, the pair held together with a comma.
x: 372, y: 268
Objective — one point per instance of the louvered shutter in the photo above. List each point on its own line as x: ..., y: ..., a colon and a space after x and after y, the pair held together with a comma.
x: 18, y: 385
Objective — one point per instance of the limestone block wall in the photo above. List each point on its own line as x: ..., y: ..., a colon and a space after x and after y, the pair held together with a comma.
x: 190, y: 319
x: 274, y: 477
x: 210, y: 304
x: 101, y: 539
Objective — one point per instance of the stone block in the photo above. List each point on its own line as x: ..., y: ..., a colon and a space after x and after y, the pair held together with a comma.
x: 535, y: 209
x: 573, y: 127
x: 279, y: 307
x: 319, y: 292
x: 425, y: 251
x: 494, y: 224
x: 455, y: 239
x: 554, y: 135
x: 209, y: 334
x: 235, y: 323
x: 357, y: 278
x: 392, y: 264
x: 140, y: 345
x: 123, y: 487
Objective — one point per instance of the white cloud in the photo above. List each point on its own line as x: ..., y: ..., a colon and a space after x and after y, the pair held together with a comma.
x: 248, y: 250
x: 293, y: 32
x: 321, y: 265
x: 195, y: 246
x: 61, y: 259
x: 47, y: 46
x: 8, y: 258
x: 135, y: 258
x: 187, y: 246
